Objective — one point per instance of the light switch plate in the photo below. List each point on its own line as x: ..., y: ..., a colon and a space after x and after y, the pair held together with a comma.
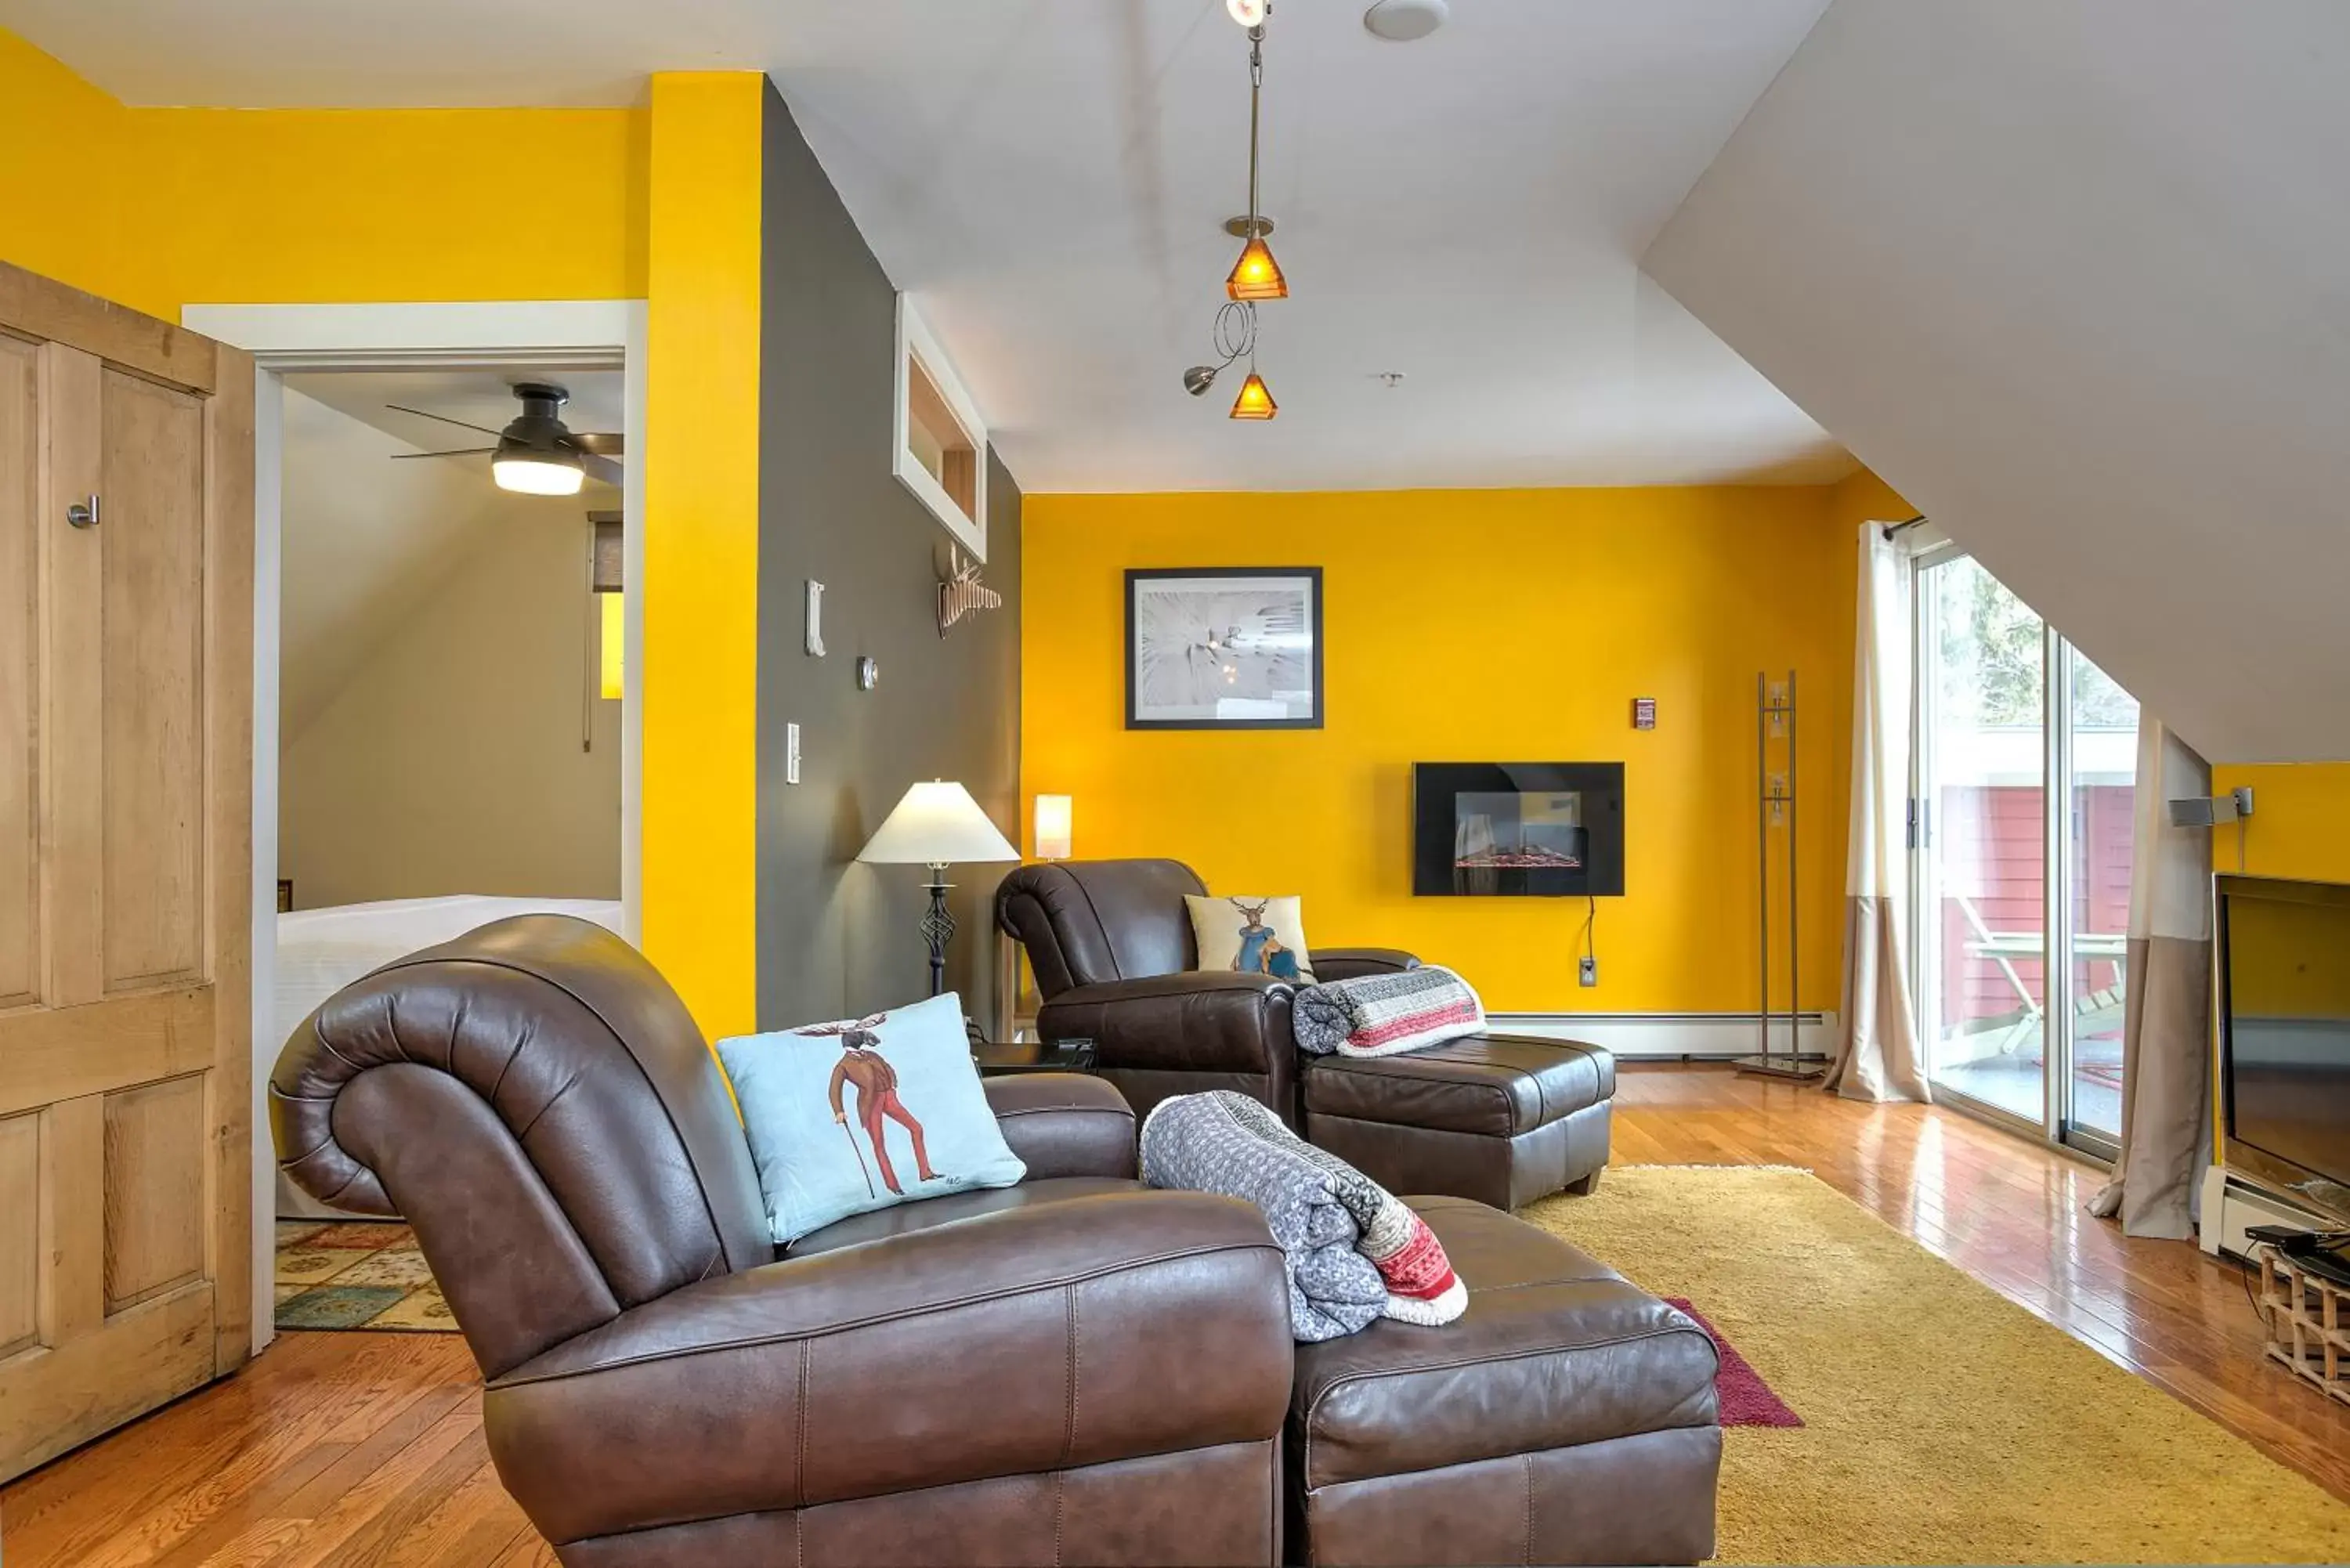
x: 791, y: 753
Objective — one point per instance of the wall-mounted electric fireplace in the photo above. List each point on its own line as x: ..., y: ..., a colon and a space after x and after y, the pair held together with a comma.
x: 1517, y: 829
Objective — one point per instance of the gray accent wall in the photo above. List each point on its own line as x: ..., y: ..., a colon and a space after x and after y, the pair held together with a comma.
x: 837, y: 938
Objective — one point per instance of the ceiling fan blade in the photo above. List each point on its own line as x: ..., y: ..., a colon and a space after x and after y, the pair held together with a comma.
x: 596, y: 465
x: 424, y: 413
x: 608, y: 442
x: 461, y: 451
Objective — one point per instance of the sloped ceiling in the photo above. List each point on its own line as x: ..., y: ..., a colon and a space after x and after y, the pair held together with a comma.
x: 2073, y: 276
x: 365, y: 540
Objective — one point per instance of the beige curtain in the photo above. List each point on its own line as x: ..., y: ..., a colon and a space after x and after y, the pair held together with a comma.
x: 1878, y: 1056
x: 2167, y: 1009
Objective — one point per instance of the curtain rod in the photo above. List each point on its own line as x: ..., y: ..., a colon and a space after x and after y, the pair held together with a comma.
x: 1893, y: 528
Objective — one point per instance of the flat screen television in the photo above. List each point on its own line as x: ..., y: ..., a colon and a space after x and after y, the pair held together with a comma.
x: 2284, y: 1036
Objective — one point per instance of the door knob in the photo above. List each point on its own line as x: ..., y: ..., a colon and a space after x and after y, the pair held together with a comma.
x: 83, y: 514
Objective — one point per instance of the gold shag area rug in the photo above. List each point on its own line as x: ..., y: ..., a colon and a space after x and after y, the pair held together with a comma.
x: 1942, y: 1422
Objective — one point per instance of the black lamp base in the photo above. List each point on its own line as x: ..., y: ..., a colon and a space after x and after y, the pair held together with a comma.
x: 938, y: 928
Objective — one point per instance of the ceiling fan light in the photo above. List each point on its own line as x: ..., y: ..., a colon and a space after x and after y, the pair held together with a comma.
x: 1256, y: 275
x: 1248, y: 13
x: 1255, y: 402
x: 537, y: 473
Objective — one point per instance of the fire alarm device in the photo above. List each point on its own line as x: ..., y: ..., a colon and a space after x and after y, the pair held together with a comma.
x: 1643, y: 712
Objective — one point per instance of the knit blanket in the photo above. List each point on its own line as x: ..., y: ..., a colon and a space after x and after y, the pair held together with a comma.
x: 1385, y: 1015
x: 1352, y: 1251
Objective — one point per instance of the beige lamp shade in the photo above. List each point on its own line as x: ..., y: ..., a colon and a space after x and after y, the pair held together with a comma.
x: 1054, y: 813
x: 937, y: 824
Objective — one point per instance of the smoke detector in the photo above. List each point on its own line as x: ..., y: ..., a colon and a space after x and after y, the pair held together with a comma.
x: 1402, y: 21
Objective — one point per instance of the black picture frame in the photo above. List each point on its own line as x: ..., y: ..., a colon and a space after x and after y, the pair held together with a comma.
x: 1310, y: 578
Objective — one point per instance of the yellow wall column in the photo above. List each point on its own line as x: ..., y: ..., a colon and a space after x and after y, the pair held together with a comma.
x: 702, y: 543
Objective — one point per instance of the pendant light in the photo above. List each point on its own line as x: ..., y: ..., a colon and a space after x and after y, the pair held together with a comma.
x: 1254, y: 401
x: 1256, y: 275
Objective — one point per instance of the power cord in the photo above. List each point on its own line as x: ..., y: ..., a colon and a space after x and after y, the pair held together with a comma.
x: 1589, y: 940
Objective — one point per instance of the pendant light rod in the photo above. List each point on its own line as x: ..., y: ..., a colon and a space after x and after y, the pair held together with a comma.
x: 1256, y: 90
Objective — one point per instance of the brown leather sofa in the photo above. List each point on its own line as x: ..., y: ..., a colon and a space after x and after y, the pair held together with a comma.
x: 1500, y: 1118
x: 1075, y: 1369
x: 1111, y: 946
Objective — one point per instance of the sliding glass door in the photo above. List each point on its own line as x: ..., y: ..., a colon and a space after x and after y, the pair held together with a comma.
x: 1982, y: 814
x: 2020, y: 830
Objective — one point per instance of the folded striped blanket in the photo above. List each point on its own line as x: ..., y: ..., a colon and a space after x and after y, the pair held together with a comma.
x: 1353, y: 1251
x: 1384, y: 1014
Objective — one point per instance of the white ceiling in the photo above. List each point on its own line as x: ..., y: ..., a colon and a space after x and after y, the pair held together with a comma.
x: 2070, y: 275
x: 1050, y: 178
x: 365, y: 539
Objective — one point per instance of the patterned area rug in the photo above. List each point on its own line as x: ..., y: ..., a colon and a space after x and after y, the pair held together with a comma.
x: 1941, y: 1422
x: 356, y: 1273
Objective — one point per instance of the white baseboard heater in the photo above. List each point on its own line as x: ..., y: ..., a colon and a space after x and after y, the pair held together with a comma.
x: 1672, y: 1036
x: 2231, y: 1207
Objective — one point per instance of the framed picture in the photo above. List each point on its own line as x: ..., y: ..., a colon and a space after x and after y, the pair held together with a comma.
x: 1233, y: 648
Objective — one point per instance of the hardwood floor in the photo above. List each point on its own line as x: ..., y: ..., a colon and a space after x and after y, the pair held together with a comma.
x: 357, y: 1448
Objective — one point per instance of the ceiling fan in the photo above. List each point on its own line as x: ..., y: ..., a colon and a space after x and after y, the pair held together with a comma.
x: 536, y: 455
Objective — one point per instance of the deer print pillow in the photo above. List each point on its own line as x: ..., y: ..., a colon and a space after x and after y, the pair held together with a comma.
x: 865, y: 1113
x: 1258, y: 936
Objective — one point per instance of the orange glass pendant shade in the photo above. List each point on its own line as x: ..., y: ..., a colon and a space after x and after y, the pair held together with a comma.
x: 1254, y: 402
x: 1256, y: 275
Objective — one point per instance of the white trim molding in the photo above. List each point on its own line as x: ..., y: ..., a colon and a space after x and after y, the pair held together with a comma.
x: 1667, y: 1036
x: 581, y: 333
x: 916, y: 342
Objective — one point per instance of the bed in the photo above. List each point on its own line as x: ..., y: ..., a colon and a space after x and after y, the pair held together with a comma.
x: 319, y: 951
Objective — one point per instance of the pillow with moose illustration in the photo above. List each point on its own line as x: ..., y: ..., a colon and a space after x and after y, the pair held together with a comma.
x: 865, y: 1113
x: 1253, y: 936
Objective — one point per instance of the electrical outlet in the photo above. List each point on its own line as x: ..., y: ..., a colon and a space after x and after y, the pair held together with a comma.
x: 791, y: 753
x: 1589, y: 974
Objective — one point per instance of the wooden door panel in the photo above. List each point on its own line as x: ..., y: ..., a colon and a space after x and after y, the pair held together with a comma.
x: 154, y: 1214
x: 20, y: 1234
x: 65, y: 1053
x: 60, y: 1397
x: 72, y: 693
x: 20, y: 909
x: 125, y: 806
x: 152, y: 648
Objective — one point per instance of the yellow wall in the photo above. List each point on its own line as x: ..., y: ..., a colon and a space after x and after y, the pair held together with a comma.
x: 162, y: 207
x: 2300, y: 825
x: 1464, y: 625
x: 702, y: 564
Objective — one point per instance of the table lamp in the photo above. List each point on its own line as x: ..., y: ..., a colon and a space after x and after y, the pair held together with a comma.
x: 937, y: 824
x: 1054, y: 813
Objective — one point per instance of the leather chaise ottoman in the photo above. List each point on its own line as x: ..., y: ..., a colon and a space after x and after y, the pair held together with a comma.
x: 1566, y: 1416
x: 1501, y: 1118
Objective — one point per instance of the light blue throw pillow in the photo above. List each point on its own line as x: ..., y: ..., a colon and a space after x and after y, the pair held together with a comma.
x: 860, y: 1114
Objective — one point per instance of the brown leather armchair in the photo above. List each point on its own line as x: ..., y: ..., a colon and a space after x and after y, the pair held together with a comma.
x: 1074, y: 1369
x: 1111, y: 946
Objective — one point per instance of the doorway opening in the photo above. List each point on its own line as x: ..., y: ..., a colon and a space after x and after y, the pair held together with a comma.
x: 481, y: 347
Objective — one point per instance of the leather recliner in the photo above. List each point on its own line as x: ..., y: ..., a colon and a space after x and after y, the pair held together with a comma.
x: 1074, y: 1369
x: 1111, y: 947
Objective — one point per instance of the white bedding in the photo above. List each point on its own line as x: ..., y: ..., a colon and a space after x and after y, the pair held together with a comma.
x: 319, y: 951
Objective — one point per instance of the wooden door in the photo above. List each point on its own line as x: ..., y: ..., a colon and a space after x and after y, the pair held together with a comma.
x: 126, y: 745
